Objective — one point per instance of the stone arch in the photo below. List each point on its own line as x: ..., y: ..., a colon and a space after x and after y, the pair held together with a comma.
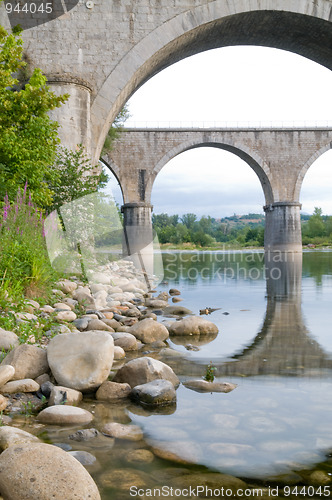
x: 252, y: 159
x: 306, y: 167
x: 114, y: 169
x: 301, y: 27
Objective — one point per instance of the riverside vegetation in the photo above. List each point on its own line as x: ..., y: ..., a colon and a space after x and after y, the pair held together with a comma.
x: 233, y: 232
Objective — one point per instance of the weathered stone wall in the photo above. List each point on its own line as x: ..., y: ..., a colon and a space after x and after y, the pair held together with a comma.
x: 280, y: 158
x: 117, y: 45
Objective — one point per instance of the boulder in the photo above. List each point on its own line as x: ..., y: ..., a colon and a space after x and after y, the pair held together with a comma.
x: 24, y: 385
x: 193, y: 325
x: 205, y: 386
x: 3, y: 403
x: 177, y: 310
x: 7, y: 372
x: 157, y: 392
x: 10, y: 436
x: 64, y: 415
x: 8, y: 340
x: 174, y: 291
x: 98, y: 324
x: 121, y: 431
x: 66, y: 316
x: 142, y: 370
x: 42, y: 471
x: 67, y: 286
x: 125, y: 340
x: 64, y: 396
x: 119, y: 353
x: 156, y: 303
x: 29, y: 361
x: 149, y: 331
x: 81, y: 361
x: 111, y: 391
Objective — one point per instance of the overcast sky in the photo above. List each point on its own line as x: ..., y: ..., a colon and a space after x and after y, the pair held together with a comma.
x: 231, y: 84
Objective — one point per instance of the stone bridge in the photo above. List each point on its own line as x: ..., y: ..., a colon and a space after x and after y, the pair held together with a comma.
x: 279, y: 157
x: 101, y: 52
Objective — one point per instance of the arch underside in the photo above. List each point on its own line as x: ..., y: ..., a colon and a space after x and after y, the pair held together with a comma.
x: 258, y: 165
x: 302, y: 34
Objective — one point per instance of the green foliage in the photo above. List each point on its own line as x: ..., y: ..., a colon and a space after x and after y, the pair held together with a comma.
x: 74, y: 177
x: 317, y: 230
x: 209, y: 374
x: 207, y: 231
x: 116, y: 128
x: 28, y: 137
x: 24, y: 264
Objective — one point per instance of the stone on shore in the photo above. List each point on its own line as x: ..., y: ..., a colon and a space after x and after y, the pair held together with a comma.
x: 66, y: 316
x: 24, y: 385
x: 64, y: 396
x: 10, y: 436
x: 156, y: 303
x: 29, y: 361
x: 157, y: 392
x: 64, y: 415
x: 142, y: 370
x: 193, y: 325
x: 111, y: 391
x: 7, y: 372
x: 42, y: 471
x: 98, y: 324
x: 205, y: 386
x: 125, y: 340
x: 81, y: 361
x: 3, y: 402
x: 119, y: 353
x: 8, y: 340
x: 67, y: 286
x: 148, y: 331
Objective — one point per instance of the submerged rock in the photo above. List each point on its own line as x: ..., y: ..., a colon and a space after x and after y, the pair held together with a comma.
x: 120, y: 431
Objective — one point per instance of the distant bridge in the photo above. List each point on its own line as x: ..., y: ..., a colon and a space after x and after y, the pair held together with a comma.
x: 279, y: 157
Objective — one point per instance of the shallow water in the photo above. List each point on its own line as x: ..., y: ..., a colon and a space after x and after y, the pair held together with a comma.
x: 275, y: 343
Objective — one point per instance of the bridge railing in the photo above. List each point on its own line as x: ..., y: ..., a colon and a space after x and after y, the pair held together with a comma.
x: 296, y: 124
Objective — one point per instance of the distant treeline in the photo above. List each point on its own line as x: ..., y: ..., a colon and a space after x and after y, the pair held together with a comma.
x: 244, y: 231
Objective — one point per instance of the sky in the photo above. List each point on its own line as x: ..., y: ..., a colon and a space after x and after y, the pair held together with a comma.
x: 232, y: 84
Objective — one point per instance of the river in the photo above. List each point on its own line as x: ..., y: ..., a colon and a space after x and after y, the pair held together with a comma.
x: 274, y: 429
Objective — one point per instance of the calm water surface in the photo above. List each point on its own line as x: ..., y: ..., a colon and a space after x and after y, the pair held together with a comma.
x: 275, y: 342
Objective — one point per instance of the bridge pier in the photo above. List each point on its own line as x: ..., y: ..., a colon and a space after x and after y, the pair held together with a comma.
x: 138, y: 236
x: 74, y: 115
x: 283, y: 227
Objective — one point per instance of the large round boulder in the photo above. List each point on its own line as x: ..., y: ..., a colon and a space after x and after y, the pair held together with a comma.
x: 28, y: 360
x: 143, y: 370
x: 81, y: 361
x: 42, y: 471
x: 149, y: 331
x: 193, y: 325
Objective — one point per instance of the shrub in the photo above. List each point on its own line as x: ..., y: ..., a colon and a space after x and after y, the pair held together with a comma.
x: 24, y: 264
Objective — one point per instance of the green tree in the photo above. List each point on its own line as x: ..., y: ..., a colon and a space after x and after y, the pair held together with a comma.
x: 28, y: 137
x: 74, y: 177
x: 315, y: 225
x: 189, y: 220
x: 116, y: 128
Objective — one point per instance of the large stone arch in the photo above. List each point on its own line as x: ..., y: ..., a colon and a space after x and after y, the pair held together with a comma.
x: 259, y: 166
x: 306, y: 167
x: 301, y: 27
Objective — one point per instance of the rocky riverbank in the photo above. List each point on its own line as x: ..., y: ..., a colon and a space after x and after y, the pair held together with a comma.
x: 103, y: 345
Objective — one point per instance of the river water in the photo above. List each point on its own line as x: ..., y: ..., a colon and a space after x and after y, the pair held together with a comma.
x: 274, y: 430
